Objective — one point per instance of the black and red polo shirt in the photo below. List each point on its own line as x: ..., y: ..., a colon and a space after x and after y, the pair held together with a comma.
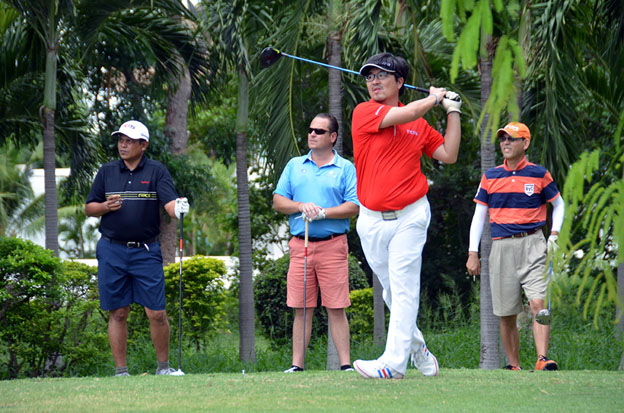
x: 143, y: 190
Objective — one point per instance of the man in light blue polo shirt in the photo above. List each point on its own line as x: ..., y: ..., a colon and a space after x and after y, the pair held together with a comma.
x: 319, y: 187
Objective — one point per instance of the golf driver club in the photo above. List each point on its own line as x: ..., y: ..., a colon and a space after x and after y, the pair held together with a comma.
x: 179, y: 372
x: 543, y: 316
x: 270, y: 55
x: 305, y: 279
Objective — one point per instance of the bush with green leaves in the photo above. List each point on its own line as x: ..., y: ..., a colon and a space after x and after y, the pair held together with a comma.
x: 274, y: 315
x: 203, y: 297
x: 49, y: 324
x: 361, y: 314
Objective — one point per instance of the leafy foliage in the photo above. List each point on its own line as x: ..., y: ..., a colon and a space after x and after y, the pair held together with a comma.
x: 595, y: 224
x: 203, y: 297
x: 49, y: 321
x: 509, y: 60
x: 361, y: 315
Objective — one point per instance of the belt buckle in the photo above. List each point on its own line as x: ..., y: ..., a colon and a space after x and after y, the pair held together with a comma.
x: 132, y: 244
x: 388, y: 215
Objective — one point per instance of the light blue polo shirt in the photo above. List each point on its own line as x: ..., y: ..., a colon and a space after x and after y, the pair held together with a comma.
x: 328, y: 186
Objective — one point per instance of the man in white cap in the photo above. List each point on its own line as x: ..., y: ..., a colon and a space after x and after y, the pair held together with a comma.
x: 127, y: 194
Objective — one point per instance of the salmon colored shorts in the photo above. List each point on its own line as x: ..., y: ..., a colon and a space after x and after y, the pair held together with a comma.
x: 328, y: 269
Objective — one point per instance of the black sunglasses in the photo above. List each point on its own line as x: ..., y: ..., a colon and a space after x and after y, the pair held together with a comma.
x: 318, y: 131
x: 509, y: 138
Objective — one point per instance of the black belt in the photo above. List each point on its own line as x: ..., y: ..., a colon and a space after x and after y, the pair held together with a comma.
x: 314, y: 239
x: 130, y: 244
x: 522, y: 234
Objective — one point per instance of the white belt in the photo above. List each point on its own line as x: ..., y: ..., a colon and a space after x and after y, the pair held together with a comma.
x: 391, y: 215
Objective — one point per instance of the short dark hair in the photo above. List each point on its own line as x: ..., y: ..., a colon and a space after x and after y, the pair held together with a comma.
x: 333, y: 123
x: 390, y: 63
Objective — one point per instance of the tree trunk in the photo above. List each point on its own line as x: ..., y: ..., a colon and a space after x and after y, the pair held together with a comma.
x: 620, y: 310
x: 620, y: 306
x: 176, y: 131
x: 490, y: 354
x: 379, y: 313
x: 49, y: 150
x: 335, y: 59
x: 247, y: 352
x: 335, y: 108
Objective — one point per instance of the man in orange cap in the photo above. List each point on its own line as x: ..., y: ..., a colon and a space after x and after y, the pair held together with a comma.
x: 516, y: 194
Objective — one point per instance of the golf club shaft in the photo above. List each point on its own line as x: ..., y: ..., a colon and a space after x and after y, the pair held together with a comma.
x: 419, y: 89
x: 305, y: 279
x: 550, y: 273
x: 180, y: 295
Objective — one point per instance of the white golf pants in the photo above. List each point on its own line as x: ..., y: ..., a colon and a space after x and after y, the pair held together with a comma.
x: 393, y: 249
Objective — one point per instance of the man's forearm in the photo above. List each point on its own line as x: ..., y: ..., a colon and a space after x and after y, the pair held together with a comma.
x: 96, y: 209
x: 345, y: 210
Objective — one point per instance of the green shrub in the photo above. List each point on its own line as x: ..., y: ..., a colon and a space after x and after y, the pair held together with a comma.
x: 84, y: 330
x: 30, y: 294
x: 274, y: 315
x: 48, y: 319
x: 203, y: 297
x: 361, y: 314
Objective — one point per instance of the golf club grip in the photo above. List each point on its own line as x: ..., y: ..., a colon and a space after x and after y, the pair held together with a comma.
x: 181, y: 229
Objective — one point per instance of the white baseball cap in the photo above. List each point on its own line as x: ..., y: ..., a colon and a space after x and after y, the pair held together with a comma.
x: 134, y: 130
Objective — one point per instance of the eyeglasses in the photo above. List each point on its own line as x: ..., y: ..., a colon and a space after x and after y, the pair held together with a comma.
x: 509, y: 138
x: 318, y: 131
x: 381, y: 75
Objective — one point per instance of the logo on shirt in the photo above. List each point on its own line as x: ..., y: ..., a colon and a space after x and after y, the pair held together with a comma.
x: 412, y: 132
x: 529, y: 189
x: 145, y: 182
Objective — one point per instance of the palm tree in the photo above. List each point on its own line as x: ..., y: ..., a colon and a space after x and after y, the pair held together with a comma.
x: 235, y: 26
x: 164, y: 53
x: 46, y: 18
x: 56, y: 24
x: 490, y: 349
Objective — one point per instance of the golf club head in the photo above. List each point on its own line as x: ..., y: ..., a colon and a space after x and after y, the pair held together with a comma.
x: 268, y: 56
x: 543, y: 317
x: 178, y: 372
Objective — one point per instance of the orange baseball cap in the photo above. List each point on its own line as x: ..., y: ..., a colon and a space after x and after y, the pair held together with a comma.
x: 515, y: 130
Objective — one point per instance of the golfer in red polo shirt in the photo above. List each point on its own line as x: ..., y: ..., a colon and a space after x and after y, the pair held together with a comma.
x: 389, y: 139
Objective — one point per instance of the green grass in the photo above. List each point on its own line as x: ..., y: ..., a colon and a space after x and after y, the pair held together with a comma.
x: 453, y: 390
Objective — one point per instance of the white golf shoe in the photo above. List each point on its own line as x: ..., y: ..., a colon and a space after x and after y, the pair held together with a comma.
x: 375, y: 369
x: 425, y: 361
x: 166, y: 372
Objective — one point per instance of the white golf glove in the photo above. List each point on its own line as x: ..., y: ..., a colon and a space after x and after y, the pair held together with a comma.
x: 552, y: 243
x: 452, y: 102
x: 181, y: 206
x: 318, y: 217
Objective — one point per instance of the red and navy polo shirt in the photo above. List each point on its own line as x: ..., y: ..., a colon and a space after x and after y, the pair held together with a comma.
x: 516, y: 198
x: 143, y: 190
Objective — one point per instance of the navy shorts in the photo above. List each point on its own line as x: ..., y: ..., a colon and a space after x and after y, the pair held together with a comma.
x: 130, y: 275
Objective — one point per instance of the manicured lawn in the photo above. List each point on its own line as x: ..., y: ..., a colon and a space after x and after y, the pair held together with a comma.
x: 453, y: 390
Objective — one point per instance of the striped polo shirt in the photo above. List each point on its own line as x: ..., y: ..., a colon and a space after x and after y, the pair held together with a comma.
x: 143, y: 191
x: 516, y: 198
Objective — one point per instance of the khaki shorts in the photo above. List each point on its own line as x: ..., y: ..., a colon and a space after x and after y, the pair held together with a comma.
x: 517, y: 264
x: 328, y: 268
